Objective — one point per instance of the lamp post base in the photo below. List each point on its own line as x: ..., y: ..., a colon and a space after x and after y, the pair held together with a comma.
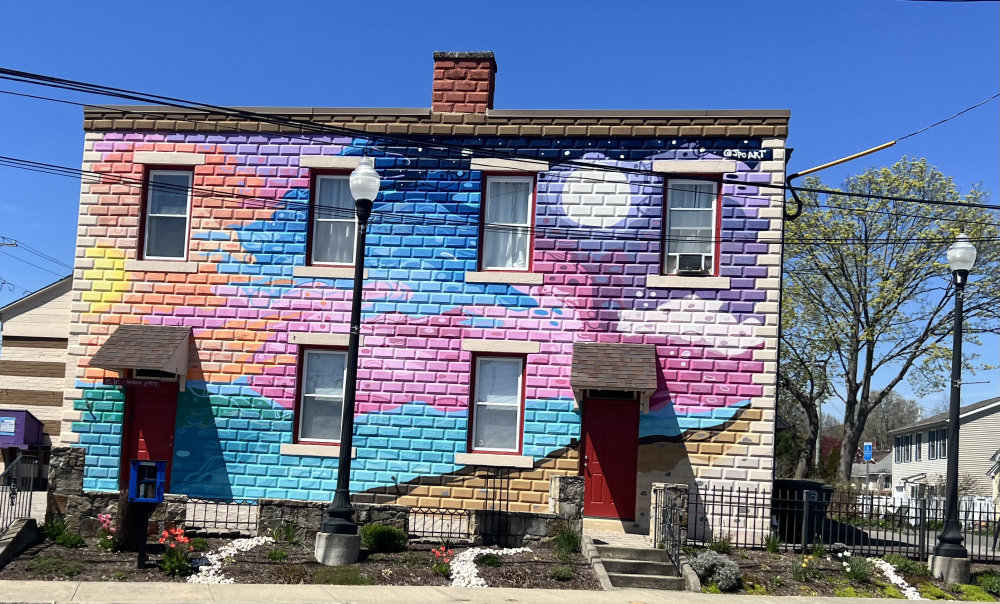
x: 950, y: 570
x: 337, y: 550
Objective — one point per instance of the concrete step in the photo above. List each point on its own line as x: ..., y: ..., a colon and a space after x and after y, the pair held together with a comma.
x: 646, y: 581
x: 648, y: 554
x: 639, y: 567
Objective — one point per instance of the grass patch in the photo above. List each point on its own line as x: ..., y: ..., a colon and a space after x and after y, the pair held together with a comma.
x: 382, y: 538
x: 562, y: 573
x: 858, y: 569
x: 711, y: 588
x: 933, y: 592
x: 285, y: 534
x: 722, y: 546
x: 68, y: 539
x: 851, y: 592
x: 488, y: 559
x: 199, y: 544
x: 905, y: 566
x: 772, y: 544
x: 567, y: 543
x: 46, y: 565
x: 972, y: 593
x: 277, y: 555
x: 341, y: 575
x: 989, y: 580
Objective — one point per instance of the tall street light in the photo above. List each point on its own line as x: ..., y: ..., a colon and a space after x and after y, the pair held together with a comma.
x: 338, y: 541
x: 951, y: 560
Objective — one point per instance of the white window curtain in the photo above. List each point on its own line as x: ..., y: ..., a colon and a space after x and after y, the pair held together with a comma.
x: 322, y: 404
x: 690, y: 221
x: 506, y: 223
x: 168, y: 204
x: 497, y: 412
x: 334, y: 224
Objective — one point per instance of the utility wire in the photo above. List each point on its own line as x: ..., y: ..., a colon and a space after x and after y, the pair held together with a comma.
x: 31, y: 264
x: 622, y: 234
x: 40, y: 254
x: 55, y: 82
x: 949, y: 118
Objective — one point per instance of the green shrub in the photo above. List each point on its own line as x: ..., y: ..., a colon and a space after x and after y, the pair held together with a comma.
x: 277, y: 555
x: 754, y: 586
x: 722, y: 546
x: 341, y: 575
x: 972, y: 593
x: 567, y: 541
x: 68, y: 539
x: 714, y: 568
x: 487, y: 559
x: 290, y: 574
x: 53, y: 528
x: 772, y: 543
x: 858, y: 569
x: 175, y: 562
x: 561, y: 573
x: 989, y: 580
x: 199, y: 544
x: 805, y: 570
x: 442, y: 568
x: 711, y: 588
x: 818, y: 551
x: 905, y: 566
x: 850, y: 592
x: 285, y: 534
x: 777, y: 581
x: 45, y: 565
x: 382, y: 538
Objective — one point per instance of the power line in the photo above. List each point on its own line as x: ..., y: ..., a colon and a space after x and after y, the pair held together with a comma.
x: 31, y: 263
x: 40, y: 254
x: 618, y: 233
x: 949, y: 118
x: 98, y: 89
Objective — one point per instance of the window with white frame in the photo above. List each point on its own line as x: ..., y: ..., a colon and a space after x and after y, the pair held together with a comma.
x: 168, y: 210
x: 334, y: 224
x: 507, y: 210
x: 496, y: 413
x: 689, y: 232
x: 321, y: 400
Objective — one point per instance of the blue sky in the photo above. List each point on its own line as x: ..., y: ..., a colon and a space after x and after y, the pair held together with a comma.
x: 854, y: 75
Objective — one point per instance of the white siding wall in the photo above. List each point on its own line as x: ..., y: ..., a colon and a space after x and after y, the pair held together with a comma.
x: 47, y: 317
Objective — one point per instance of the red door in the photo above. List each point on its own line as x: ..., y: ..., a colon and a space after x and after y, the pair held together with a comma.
x: 150, y: 412
x: 610, y: 449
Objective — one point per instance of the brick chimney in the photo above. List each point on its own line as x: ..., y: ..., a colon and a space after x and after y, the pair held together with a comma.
x: 463, y: 82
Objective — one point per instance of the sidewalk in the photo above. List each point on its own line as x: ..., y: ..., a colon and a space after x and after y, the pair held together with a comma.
x: 61, y: 592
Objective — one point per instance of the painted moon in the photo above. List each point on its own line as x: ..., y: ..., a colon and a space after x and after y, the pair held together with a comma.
x: 596, y: 198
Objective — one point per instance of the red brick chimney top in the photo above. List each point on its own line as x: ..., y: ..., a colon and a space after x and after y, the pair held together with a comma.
x: 463, y: 82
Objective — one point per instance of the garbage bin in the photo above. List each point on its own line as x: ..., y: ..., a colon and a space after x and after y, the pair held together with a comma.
x: 789, y: 500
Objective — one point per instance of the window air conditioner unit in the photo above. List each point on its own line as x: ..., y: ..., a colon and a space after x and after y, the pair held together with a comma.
x: 692, y: 264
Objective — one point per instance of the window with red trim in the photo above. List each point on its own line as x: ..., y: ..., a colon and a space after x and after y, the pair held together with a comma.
x: 167, y: 214
x: 333, y: 222
x: 506, y: 223
x: 691, y: 227
x: 319, y: 411
x: 497, y: 404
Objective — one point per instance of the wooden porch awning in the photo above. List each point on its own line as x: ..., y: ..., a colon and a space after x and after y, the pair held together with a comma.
x: 155, y: 347
x: 604, y: 366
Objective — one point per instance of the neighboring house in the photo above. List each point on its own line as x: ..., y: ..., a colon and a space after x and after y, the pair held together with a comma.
x: 994, y: 474
x: 874, y: 476
x: 519, y: 312
x: 920, y: 452
x: 34, y: 332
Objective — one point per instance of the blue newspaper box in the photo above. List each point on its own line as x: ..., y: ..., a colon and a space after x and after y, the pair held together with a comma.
x: 146, y: 480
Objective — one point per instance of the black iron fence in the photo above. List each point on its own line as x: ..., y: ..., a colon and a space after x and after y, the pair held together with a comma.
x: 440, y: 523
x: 668, y: 526
x: 867, y: 524
x: 221, y: 516
x: 15, y: 491
x: 490, y: 519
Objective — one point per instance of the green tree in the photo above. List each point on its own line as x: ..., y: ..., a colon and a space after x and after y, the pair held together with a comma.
x: 866, y: 284
x: 895, y: 411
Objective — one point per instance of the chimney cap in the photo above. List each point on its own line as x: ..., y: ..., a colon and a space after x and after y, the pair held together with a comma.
x: 459, y: 56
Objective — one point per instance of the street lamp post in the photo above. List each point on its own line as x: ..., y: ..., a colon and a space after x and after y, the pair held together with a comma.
x: 951, y: 560
x: 338, y: 541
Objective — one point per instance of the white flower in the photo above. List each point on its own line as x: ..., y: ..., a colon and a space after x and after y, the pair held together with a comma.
x: 463, y: 566
x: 909, y: 592
x: 210, y: 565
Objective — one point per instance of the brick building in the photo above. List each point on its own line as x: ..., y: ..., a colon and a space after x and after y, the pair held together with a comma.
x: 569, y: 292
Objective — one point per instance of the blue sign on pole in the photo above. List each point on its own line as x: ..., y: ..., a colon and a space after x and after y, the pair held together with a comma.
x: 868, y: 451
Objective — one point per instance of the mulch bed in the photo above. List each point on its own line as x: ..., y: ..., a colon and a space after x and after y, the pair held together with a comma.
x: 766, y: 573
x: 49, y: 561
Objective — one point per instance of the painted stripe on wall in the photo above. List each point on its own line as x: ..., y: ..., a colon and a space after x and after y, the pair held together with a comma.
x: 24, y: 342
x: 31, y: 397
x: 32, y: 368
